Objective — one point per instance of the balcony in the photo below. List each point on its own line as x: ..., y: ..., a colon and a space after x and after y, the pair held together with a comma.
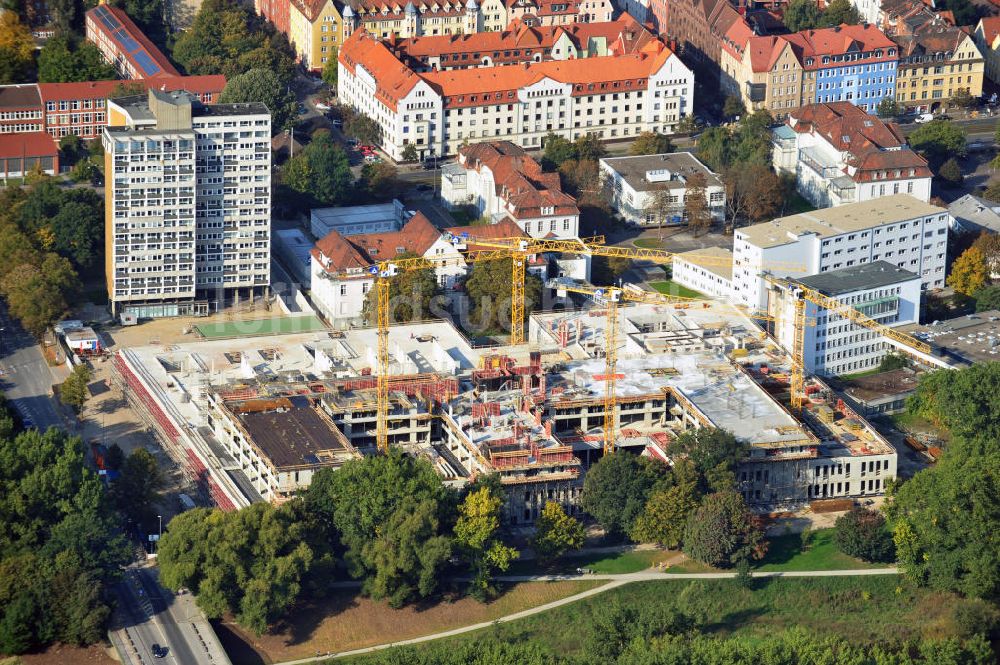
x: 819, y: 163
x: 843, y: 188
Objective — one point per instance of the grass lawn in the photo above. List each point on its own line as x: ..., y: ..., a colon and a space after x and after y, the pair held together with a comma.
x: 859, y: 375
x: 819, y: 553
x: 859, y: 609
x: 671, y: 288
x: 350, y: 621
x: 648, y: 243
x: 609, y: 564
x: 273, y: 326
x: 796, y: 203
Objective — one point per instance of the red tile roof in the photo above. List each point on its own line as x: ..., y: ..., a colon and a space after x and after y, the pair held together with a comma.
x: 991, y: 28
x: 505, y: 228
x: 133, y: 31
x: 870, y: 144
x: 838, y: 41
x: 519, y: 179
x: 357, y: 252
x: 198, y: 85
x: 28, y: 144
x: 394, y: 80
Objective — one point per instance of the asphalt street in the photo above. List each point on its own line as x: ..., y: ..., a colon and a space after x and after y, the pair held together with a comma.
x: 26, y: 379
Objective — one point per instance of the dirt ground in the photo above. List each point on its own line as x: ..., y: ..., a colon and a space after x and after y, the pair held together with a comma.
x: 66, y: 655
x: 350, y: 621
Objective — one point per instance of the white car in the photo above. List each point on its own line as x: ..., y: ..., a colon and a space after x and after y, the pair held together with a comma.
x: 924, y: 117
x: 322, y: 107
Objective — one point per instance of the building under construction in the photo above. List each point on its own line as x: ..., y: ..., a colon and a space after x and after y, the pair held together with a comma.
x: 254, y: 418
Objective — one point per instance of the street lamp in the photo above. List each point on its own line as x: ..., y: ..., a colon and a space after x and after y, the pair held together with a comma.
x: 159, y: 518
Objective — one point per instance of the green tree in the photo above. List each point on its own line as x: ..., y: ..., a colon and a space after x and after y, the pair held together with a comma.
x: 651, y: 143
x: 264, y: 86
x: 608, y: 270
x: 351, y: 504
x: 321, y: 172
x: 666, y: 513
x: 249, y: 562
x: 556, y: 532
x: 733, y: 107
x: 892, y: 361
x: 964, y: 401
x: 410, y: 152
x: 17, y: 48
x: 699, y: 217
x: 408, y: 554
x: 965, y: 12
x: 839, y: 12
x: 616, y: 489
x: 331, y: 68
x: 74, y: 390
x: 37, y: 295
x: 987, y: 298
x: 722, y: 531
x: 714, y: 453
x: 477, y: 535
x: 363, y: 128
x: 557, y: 151
x: 950, y: 172
x: 588, y: 148
x: 410, y: 296
x: 489, y: 287
x: 862, y: 533
x: 938, y: 140
x: 887, y: 108
x: 801, y: 15
x: 136, y: 491
x: 379, y: 180
x: 713, y: 148
x: 962, y: 98
x: 65, y: 58
x: 149, y: 16
x: 945, y: 517
x: 969, y: 273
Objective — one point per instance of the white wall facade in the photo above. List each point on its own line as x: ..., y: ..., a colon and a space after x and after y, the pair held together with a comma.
x: 701, y: 279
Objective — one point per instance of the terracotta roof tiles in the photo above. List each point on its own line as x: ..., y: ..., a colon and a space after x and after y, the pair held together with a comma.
x: 338, y: 253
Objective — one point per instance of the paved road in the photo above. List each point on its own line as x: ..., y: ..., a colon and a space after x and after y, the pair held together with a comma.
x: 149, y: 615
x: 614, y: 581
x: 26, y: 378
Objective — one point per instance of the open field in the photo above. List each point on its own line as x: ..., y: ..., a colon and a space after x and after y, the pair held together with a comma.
x: 671, y: 288
x: 818, y: 553
x: 611, y: 563
x: 252, y: 327
x: 859, y: 609
x: 60, y: 654
x: 350, y: 621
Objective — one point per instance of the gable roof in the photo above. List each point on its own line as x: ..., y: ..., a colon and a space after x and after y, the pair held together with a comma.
x: 337, y: 253
x: 839, y: 40
x: 932, y: 36
x: 990, y: 28
x: 394, y: 80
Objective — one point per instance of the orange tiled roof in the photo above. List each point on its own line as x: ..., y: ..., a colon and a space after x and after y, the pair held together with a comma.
x: 505, y: 228
x: 991, y: 28
x: 311, y: 9
x: 337, y: 253
x: 519, y: 179
x: 394, y: 79
x: 199, y: 85
x: 838, y: 41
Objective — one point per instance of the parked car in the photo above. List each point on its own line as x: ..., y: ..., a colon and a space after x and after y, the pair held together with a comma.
x: 924, y: 117
x: 158, y: 651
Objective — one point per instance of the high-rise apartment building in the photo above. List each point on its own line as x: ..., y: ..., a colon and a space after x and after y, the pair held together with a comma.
x: 188, y: 212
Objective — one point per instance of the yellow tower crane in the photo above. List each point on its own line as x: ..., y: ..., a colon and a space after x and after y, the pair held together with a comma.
x: 520, y: 248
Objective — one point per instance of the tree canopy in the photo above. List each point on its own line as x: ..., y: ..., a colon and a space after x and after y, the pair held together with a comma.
x: 410, y: 296
x: 264, y: 86
x: 938, y: 140
x: 722, y: 532
x: 747, y: 143
x: 320, y: 174
x: 556, y: 532
x: 714, y: 454
x: 65, y: 58
x: 651, y: 143
x: 17, y: 49
x: 969, y: 272
x: 489, y: 287
x: 477, y: 534
x: 616, y: 488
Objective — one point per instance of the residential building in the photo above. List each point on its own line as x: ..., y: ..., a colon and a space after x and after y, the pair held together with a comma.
x: 340, y: 277
x: 936, y: 61
x: 123, y: 45
x: 79, y: 109
x: 708, y: 270
x: 608, y: 97
x: 636, y: 184
x: 974, y: 214
x: 278, y: 12
x: 24, y: 152
x: 764, y: 71
x: 987, y: 36
x: 840, y: 154
x: 854, y: 63
x: 898, y: 228
x: 188, y: 191
x: 880, y: 290
x: 501, y: 181
x: 315, y: 30
x: 450, y: 17
x: 560, y: 12
x: 519, y: 43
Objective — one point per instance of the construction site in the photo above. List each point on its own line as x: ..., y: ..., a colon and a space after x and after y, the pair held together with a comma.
x: 253, y: 418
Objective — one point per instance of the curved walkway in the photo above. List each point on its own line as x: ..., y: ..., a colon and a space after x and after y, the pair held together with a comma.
x: 614, y: 581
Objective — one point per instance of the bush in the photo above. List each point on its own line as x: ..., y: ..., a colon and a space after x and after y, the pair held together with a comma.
x: 862, y: 533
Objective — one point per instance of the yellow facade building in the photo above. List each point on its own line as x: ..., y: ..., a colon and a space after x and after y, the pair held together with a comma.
x: 315, y: 29
x: 935, y: 62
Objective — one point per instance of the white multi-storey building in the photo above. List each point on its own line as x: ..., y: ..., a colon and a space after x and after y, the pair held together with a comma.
x: 635, y: 183
x: 900, y: 229
x: 188, y: 190
x: 502, y: 181
x: 834, y: 345
x: 615, y: 96
x: 840, y: 154
x: 708, y: 271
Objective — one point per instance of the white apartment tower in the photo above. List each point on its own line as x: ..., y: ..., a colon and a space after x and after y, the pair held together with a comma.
x: 188, y: 214
x: 899, y: 229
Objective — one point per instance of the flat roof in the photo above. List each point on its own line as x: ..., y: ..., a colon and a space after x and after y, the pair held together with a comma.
x: 723, y: 271
x: 861, y: 277
x: 289, y: 431
x: 837, y: 220
x: 19, y: 96
x: 974, y: 338
x: 633, y: 170
x: 137, y: 106
x: 881, y: 385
